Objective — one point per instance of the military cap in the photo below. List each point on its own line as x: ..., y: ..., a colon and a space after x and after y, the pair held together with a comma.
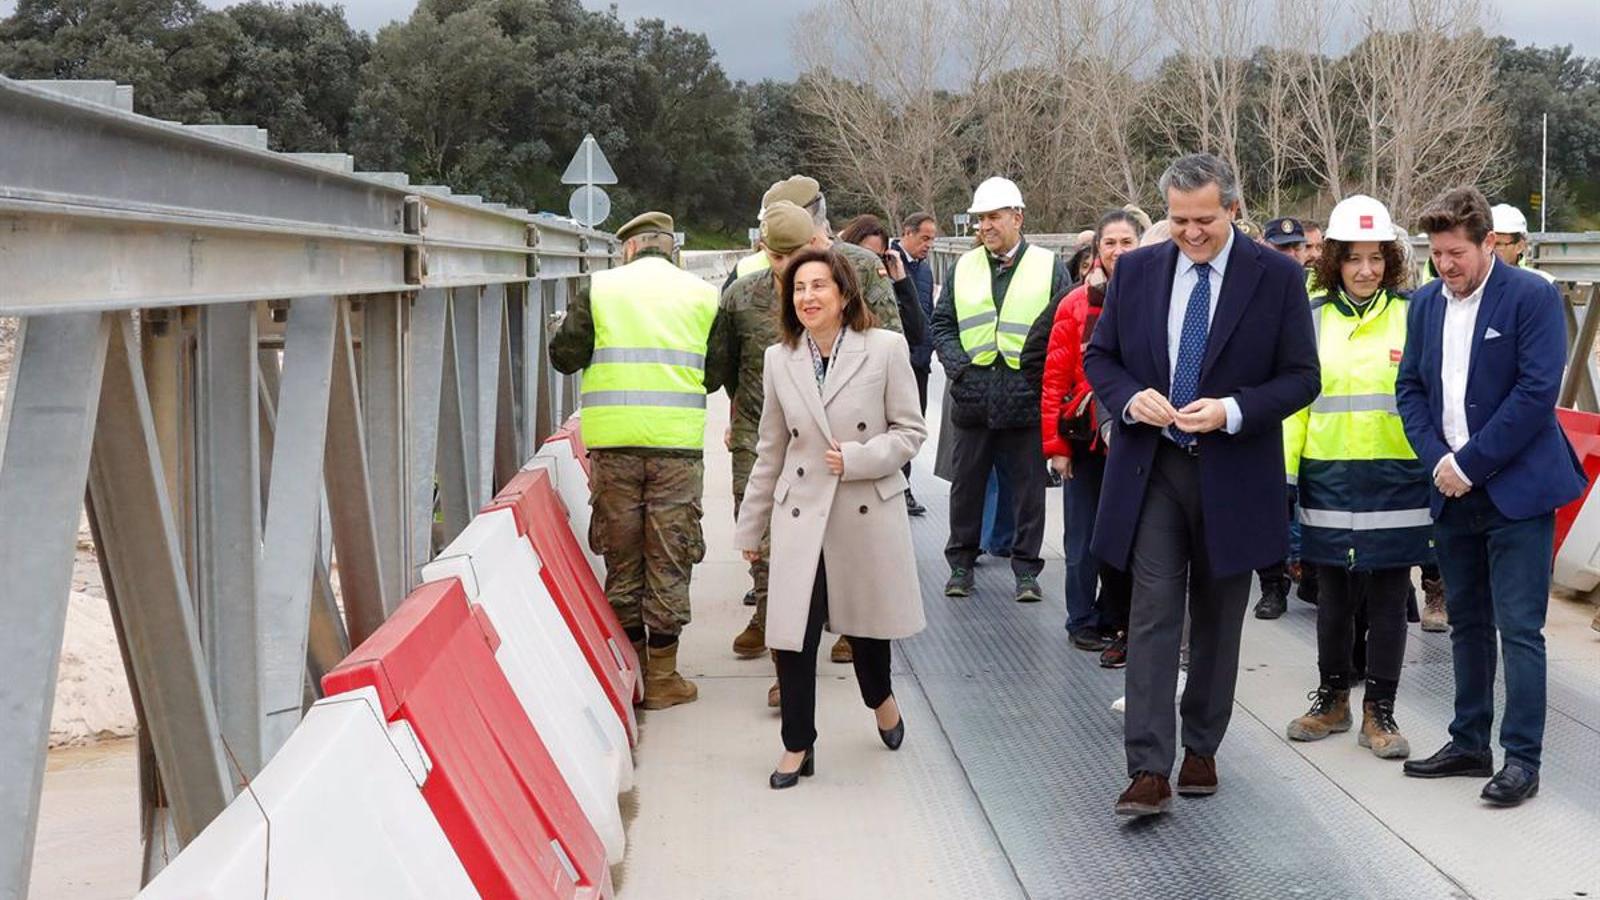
x: 1285, y: 231
x: 786, y: 227
x: 800, y: 190
x: 646, y: 223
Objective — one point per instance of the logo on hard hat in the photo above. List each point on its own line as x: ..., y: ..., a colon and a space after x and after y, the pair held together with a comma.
x: 1366, y: 221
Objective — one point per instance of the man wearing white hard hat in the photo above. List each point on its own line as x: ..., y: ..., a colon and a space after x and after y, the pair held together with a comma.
x: 994, y: 296
x: 1511, y: 238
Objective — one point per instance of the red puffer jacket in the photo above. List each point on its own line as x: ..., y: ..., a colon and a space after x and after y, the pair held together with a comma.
x: 1065, y: 393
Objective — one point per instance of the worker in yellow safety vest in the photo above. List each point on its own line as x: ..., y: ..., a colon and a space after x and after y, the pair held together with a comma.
x: 1511, y: 238
x: 995, y: 295
x: 646, y: 337
x: 1363, y: 494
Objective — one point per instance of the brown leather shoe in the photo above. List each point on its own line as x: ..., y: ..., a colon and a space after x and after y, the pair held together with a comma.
x: 1434, y: 617
x: 1148, y: 795
x: 841, y: 652
x: 751, y: 642
x: 1198, y: 776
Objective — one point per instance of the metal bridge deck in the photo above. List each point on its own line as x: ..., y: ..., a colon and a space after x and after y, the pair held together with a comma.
x: 1013, y: 758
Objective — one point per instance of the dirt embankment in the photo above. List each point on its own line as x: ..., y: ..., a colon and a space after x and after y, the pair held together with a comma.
x: 92, y: 701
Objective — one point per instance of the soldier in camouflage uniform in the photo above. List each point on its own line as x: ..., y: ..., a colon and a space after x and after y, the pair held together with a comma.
x: 649, y: 338
x: 750, y: 305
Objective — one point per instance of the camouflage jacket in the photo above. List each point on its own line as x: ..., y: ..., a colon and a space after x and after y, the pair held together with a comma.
x: 751, y: 307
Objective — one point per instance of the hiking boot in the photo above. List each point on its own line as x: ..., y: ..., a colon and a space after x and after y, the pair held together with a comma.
x: 960, y: 583
x: 841, y: 652
x: 1434, y: 617
x: 1274, y: 599
x: 1379, y: 733
x: 912, y: 506
x: 1148, y: 795
x: 1329, y: 714
x: 1115, y: 656
x: 1028, y: 589
x: 751, y: 642
x: 663, y: 686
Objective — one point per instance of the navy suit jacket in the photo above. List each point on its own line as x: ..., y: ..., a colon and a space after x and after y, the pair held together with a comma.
x: 1517, y: 451
x: 1262, y: 351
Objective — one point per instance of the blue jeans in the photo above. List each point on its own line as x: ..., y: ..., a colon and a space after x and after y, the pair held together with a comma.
x: 1498, y: 576
x: 1081, y: 499
x: 999, y: 516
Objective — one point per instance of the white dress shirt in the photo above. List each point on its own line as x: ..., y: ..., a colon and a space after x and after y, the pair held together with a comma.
x: 1183, y: 282
x: 1460, y: 323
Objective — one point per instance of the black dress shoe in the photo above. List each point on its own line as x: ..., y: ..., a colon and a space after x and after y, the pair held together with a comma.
x: 1450, y: 760
x: 1273, y: 603
x: 894, y: 736
x: 808, y: 768
x: 1511, y: 785
x: 913, y: 507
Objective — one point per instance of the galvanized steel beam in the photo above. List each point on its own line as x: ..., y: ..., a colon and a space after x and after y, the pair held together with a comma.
x: 355, y: 535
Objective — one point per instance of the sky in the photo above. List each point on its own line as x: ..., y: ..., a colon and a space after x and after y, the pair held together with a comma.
x: 751, y: 37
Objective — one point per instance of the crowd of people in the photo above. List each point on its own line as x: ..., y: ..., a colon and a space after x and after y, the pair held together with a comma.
x: 1217, y: 399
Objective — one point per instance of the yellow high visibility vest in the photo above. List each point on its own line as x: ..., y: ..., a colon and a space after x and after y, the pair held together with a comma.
x: 984, y: 334
x: 755, y: 262
x: 645, y: 384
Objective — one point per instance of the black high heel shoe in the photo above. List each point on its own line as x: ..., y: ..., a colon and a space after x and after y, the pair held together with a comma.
x: 894, y: 736
x: 808, y: 768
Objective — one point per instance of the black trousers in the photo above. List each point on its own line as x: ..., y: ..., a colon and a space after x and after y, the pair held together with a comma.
x: 1378, y: 597
x: 797, y: 672
x: 1116, y: 597
x: 921, y: 375
x: 1016, y: 451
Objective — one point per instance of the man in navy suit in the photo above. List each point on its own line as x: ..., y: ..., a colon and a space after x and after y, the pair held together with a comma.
x: 1477, y: 390
x: 1205, y: 346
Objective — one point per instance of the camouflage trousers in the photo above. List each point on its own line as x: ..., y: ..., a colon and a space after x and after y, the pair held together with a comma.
x: 743, y: 462
x: 646, y: 523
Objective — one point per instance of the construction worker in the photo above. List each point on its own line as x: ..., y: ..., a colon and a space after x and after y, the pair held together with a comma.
x: 794, y: 216
x: 1511, y: 239
x: 995, y: 295
x: 647, y: 337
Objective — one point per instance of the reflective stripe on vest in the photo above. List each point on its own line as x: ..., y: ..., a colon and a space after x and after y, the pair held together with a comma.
x: 755, y: 262
x: 645, y: 384
x: 1355, y: 417
x: 1345, y: 520
x: 986, y: 334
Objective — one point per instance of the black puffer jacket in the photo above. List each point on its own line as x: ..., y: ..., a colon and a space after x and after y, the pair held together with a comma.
x: 996, y: 395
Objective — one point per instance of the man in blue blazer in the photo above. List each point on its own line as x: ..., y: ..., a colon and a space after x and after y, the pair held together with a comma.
x: 1477, y: 390
x: 1205, y: 346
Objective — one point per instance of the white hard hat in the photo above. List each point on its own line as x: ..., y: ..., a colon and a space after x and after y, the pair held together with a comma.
x: 1360, y: 218
x: 1508, y: 219
x: 996, y: 193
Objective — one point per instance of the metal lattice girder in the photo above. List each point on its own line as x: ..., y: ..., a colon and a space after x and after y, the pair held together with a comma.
x: 138, y: 545
x: 383, y: 410
x: 429, y: 341
x: 491, y: 340
x: 457, y: 407
x: 45, y: 439
x: 355, y: 533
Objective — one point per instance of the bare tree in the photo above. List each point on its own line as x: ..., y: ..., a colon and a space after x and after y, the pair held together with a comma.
x: 1318, y: 130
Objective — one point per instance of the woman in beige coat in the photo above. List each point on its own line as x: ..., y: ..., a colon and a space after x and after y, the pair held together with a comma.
x: 840, y: 419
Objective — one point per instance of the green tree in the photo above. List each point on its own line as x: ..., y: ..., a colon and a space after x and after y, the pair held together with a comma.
x: 1530, y: 82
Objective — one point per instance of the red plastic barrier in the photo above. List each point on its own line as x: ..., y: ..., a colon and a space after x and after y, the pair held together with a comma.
x: 498, y: 795
x: 572, y: 432
x: 1583, y: 431
x: 532, y: 498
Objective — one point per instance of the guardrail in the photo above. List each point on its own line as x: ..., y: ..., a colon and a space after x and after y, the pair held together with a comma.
x: 276, y: 385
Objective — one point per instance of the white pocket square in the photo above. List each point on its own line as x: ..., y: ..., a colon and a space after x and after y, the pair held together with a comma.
x: 1490, y: 335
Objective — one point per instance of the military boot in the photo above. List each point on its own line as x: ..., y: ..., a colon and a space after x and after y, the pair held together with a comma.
x: 1434, y: 617
x: 751, y: 642
x: 1329, y: 714
x: 638, y: 651
x: 663, y: 686
x: 1274, y: 598
x: 1379, y: 733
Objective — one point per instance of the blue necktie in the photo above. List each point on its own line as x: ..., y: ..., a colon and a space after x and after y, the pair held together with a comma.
x: 1192, y: 348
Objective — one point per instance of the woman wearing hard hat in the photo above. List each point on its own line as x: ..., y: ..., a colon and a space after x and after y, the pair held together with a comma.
x: 1363, y: 494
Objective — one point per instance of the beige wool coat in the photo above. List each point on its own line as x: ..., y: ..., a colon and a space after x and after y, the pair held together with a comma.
x: 868, y: 404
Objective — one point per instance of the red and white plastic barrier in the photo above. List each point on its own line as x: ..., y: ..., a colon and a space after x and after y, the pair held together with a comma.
x: 499, y: 571
x: 343, y: 803
x: 583, y: 604
x: 567, y: 461
x: 1577, y: 563
x: 495, y: 790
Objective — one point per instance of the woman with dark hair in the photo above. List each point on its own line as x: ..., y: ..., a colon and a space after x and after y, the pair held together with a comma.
x: 841, y: 416
x: 1364, y: 515
x: 867, y: 232
x: 1070, y: 429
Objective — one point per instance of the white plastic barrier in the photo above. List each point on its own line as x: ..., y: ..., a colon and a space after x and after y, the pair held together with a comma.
x: 541, y: 658
x: 347, y: 820
x: 1578, y: 558
x: 572, y: 483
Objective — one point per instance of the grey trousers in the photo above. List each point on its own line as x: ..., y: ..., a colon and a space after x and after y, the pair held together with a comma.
x: 1170, y: 568
x: 1018, y: 454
